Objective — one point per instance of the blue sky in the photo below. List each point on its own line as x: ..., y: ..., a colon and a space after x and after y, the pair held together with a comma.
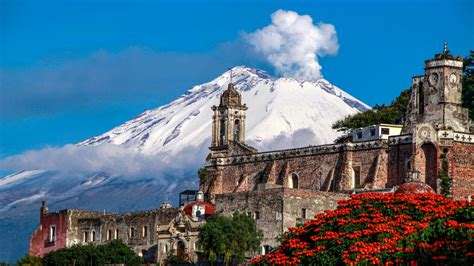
x: 73, y: 69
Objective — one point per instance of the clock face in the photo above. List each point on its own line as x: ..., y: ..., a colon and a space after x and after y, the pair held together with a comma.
x: 434, y: 77
x: 424, y: 133
x: 453, y: 78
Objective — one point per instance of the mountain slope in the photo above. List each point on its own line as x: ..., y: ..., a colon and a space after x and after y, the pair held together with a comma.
x: 175, y: 136
x: 276, y: 106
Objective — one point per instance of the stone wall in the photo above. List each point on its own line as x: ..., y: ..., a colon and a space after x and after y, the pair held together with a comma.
x: 318, y: 168
x: 277, y: 209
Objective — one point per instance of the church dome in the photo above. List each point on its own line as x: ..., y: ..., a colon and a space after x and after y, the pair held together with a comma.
x: 414, y: 187
x: 231, y: 96
x: 199, y: 210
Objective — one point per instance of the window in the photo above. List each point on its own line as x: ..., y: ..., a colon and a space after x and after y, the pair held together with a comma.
x: 385, y: 131
x: 359, y: 135
x: 116, y: 234
x: 132, y: 232
x: 257, y: 215
x: 304, y: 213
x: 52, y: 233
x: 356, y: 176
x: 85, y: 237
x: 222, y: 132
x: 372, y: 132
x: 109, y: 234
x: 237, y: 130
x: 144, y: 231
x: 93, y: 236
x: 421, y: 98
x: 293, y: 181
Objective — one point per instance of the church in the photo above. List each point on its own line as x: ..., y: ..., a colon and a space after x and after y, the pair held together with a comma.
x: 283, y: 188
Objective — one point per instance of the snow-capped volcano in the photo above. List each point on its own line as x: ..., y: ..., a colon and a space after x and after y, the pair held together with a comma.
x: 277, y: 106
x: 162, y: 149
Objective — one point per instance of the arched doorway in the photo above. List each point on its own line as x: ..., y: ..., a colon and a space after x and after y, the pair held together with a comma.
x: 293, y: 181
x: 180, y: 248
x: 429, y: 163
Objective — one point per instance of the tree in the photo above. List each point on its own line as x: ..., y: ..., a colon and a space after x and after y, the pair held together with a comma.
x: 382, y: 229
x: 28, y: 260
x: 202, y: 174
x: 391, y: 114
x: 468, y: 84
x: 114, y: 252
x: 228, y: 239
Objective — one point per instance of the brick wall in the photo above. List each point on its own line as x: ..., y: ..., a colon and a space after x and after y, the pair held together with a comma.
x: 461, y: 169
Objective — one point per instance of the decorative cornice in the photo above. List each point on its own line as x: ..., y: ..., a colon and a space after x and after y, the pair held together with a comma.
x: 298, y: 152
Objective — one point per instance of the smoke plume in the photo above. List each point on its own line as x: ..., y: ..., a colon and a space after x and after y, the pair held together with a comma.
x: 292, y: 44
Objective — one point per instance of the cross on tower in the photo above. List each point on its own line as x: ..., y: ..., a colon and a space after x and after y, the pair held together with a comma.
x: 445, y: 48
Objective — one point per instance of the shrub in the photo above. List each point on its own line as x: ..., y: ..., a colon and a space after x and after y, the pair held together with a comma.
x: 386, y: 229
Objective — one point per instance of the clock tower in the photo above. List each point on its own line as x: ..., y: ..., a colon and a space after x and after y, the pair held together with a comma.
x: 436, y: 98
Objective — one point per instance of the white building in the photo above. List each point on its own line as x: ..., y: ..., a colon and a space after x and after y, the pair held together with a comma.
x: 381, y: 131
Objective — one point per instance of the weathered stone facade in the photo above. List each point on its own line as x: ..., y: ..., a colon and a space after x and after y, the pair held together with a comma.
x: 436, y: 124
x: 152, y: 234
x: 277, y: 209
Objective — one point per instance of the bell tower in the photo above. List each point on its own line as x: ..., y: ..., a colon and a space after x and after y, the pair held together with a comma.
x: 436, y: 96
x: 228, y: 125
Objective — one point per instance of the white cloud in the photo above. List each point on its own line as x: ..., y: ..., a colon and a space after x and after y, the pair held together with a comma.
x: 72, y: 160
x: 292, y: 44
x: 300, y: 138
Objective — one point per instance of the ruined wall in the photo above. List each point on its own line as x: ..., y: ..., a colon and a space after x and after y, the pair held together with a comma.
x: 461, y: 169
x: 277, y: 209
x: 295, y: 200
x: 400, y: 152
x: 40, y: 243
x: 318, y: 168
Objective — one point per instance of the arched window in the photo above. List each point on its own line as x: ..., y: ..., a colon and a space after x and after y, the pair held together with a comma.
x: 293, y: 181
x: 237, y: 130
x: 109, y: 234
x: 93, y: 236
x: 222, y: 132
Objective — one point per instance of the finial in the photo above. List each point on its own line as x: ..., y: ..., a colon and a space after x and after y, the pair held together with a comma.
x: 445, y: 48
x: 230, y: 71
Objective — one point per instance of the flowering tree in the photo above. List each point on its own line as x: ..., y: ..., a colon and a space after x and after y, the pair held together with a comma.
x: 386, y: 229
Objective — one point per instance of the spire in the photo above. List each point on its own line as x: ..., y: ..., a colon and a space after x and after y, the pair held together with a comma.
x: 230, y: 71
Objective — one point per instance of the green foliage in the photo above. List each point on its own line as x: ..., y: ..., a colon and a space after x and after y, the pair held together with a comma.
x: 391, y: 114
x: 202, y: 174
x: 468, y: 84
x: 382, y: 229
x: 227, y: 239
x: 114, y: 252
x: 27, y: 260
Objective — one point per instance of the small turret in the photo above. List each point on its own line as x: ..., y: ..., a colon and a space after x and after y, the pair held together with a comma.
x: 43, y: 210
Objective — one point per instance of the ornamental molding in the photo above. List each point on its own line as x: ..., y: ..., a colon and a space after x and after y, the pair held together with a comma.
x: 456, y: 136
x: 298, y: 152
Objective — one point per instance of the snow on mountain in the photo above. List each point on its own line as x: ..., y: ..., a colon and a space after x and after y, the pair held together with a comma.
x: 178, y: 132
x: 276, y: 106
